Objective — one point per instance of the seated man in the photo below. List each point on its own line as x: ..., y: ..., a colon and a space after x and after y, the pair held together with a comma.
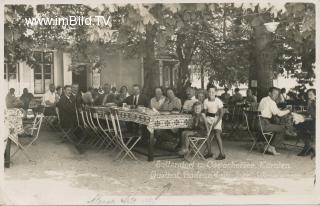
x: 26, y: 98
x: 108, y: 96
x: 191, y: 99
x: 237, y: 97
x: 306, y: 128
x: 157, y: 101
x: 12, y: 101
x: 225, y: 97
x: 268, y: 108
x: 137, y: 98
x: 49, y: 98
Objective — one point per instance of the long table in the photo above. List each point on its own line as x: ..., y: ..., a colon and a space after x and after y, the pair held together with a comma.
x: 152, y: 122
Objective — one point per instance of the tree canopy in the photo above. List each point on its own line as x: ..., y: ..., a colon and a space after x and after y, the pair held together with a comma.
x: 215, y: 37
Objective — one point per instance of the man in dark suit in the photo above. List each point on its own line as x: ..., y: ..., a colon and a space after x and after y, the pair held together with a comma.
x: 137, y: 98
x: 67, y: 109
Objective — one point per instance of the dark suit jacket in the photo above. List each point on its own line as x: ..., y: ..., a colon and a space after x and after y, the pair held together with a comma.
x: 67, y: 111
x: 143, y: 100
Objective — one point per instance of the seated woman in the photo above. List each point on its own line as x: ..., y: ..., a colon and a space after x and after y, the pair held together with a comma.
x: 157, y: 101
x: 251, y: 98
x: 307, y: 127
x: 123, y: 94
x: 171, y: 103
x: 200, y: 128
x: 201, y: 96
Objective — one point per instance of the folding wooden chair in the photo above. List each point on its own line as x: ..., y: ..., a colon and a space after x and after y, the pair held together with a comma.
x: 100, y: 140
x: 250, y: 116
x: 268, y: 136
x: 106, y: 131
x: 126, y: 141
x: 196, y: 144
x: 35, y: 130
x: 14, y: 138
x: 67, y: 133
x: 106, y: 140
x: 49, y: 119
x: 91, y: 136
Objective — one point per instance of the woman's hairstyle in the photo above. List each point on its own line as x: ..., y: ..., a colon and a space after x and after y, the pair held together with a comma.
x: 195, y: 105
x: 58, y: 87
x: 211, y: 86
x: 201, y: 91
x: 172, y: 89
x: 158, y: 88
x: 123, y: 87
x: 311, y: 90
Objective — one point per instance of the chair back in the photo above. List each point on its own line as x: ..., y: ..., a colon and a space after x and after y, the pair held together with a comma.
x: 116, y: 124
x: 260, y: 123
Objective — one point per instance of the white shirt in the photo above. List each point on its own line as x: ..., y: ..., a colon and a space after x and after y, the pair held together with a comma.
x: 188, y: 104
x: 49, y: 96
x: 212, y: 106
x: 154, y: 103
x: 268, y: 107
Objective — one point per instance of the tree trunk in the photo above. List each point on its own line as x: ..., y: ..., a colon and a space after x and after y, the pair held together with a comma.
x: 202, y: 77
x: 263, y: 58
x: 151, y: 70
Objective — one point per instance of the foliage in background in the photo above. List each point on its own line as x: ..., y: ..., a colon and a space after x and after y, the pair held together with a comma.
x: 214, y: 37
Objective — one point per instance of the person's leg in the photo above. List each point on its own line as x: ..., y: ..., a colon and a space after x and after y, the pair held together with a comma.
x: 185, y: 141
x: 279, y: 131
x: 209, y: 145
x: 220, y: 145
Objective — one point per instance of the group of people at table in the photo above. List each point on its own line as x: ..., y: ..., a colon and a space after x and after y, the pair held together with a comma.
x: 205, y: 106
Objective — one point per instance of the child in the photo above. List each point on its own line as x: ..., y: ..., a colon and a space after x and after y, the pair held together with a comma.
x: 200, y: 127
x: 213, y: 107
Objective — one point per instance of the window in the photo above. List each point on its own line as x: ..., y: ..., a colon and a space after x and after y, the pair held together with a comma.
x: 43, y: 71
x: 11, y: 71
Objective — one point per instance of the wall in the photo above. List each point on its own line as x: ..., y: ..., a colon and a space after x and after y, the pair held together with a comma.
x: 119, y: 70
x: 26, y: 74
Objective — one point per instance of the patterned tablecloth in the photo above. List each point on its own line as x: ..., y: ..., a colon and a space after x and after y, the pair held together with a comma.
x: 13, y: 124
x: 160, y: 121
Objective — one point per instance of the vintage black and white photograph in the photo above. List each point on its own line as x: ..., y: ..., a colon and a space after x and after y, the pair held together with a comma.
x: 159, y: 103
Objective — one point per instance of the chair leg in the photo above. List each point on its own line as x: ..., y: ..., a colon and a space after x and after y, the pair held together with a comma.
x: 196, y: 147
x: 268, y: 143
x: 130, y: 151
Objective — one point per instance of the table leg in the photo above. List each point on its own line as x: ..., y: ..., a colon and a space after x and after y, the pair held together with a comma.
x: 7, y: 154
x: 150, y: 148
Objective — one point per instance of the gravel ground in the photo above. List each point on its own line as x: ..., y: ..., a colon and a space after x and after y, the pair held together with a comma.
x: 62, y: 175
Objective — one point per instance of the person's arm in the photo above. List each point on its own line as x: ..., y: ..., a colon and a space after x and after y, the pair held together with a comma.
x: 205, y: 107
x: 151, y: 103
x: 255, y: 99
x: 276, y: 111
x: 177, y: 105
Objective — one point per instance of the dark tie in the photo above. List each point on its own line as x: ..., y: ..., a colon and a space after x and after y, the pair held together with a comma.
x: 134, y: 100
